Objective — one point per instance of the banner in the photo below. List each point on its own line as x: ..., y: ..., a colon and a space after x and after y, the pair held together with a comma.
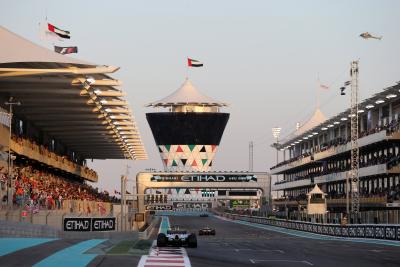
x: 77, y: 224
x: 204, y: 178
x: 103, y: 224
x: 89, y: 224
x: 158, y: 207
x: 192, y: 205
x: 243, y: 203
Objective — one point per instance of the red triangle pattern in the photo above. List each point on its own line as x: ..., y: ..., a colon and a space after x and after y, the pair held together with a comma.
x: 213, y: 147
x: 166, y: 162
x: 179, y: 149
x: 194, y: 163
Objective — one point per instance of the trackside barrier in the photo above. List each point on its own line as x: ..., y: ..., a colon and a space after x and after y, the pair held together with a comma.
x: 371, y: 231
x: 146, y: 233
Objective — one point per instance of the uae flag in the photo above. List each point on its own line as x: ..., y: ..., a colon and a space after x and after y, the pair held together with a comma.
x: 66, y: 50
x: 194, y: 63
x: 58, y: 31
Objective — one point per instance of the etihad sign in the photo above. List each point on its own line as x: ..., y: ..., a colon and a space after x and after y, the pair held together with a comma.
x: 204, y: 178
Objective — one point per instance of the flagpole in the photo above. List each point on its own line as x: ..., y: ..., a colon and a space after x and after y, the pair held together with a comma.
x: 318, y: 90
x: 187, y: 68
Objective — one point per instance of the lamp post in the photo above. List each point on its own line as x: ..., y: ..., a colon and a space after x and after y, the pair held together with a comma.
x: 10, y: 103
x: 124, y: 179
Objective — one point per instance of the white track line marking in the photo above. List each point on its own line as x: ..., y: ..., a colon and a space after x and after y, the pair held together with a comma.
x: 254, y: 261
x: 259, y: 250
x: 165, y: 256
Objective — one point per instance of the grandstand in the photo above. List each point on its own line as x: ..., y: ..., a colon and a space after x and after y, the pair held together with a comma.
x: 319, y: 153
x: 69, y: 111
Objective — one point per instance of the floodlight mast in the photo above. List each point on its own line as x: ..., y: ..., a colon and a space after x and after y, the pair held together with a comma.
x: 276, y: 131
x: 251, y: 156
x: 354, y: 175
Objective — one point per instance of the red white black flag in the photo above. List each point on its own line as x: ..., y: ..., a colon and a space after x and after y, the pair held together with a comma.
x: 58, y: 31
x: 194, y: 63
x: 66, y: 50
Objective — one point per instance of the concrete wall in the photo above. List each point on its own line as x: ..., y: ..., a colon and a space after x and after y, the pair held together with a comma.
x: 24, y: 229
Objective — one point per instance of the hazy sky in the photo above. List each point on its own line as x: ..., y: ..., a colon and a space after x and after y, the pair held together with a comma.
x: 262, y: 57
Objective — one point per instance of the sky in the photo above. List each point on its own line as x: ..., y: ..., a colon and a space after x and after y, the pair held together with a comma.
x: 264, y: 58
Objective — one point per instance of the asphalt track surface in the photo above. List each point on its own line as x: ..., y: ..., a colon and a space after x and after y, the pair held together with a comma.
x: 235, y: 244
x: 242, y: 245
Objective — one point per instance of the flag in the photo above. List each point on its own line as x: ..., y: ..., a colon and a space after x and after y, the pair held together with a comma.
x: 322, y: 86
x: 194, y: 63
x: 66, y: 50
x: 46, y: 35
x: 59, y: 32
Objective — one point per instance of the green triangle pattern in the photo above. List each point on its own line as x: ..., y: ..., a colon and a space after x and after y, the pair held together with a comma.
x: 168, y: 147
x: 174, y: 163
x: 204, y: 161
x: 191, y: 147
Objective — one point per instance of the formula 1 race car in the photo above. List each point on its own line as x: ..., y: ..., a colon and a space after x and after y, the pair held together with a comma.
x: 207, y: 231
x: 177, y: 238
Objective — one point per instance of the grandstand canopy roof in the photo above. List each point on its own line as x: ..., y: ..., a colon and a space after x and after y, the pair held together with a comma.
x: 73, y: 101
x: 185, y: 95
x: 14, y: 49
x: 391, y: 94
x: 317, y: 118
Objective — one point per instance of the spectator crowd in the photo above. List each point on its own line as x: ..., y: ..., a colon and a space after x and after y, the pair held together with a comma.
x: 47, y: 190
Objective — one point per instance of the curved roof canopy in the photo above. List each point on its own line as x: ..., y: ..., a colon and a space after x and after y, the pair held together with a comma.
x: 14, y: 49
x: 70, y: 100
x: 187, y: 94
x: 316, y: 119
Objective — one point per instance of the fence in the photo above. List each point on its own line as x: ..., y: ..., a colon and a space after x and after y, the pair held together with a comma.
x: 363, y: 217
x: 374, y: 231
x: 71, y: 206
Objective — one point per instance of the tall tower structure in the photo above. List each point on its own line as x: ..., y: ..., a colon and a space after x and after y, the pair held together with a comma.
x: 189, y: 129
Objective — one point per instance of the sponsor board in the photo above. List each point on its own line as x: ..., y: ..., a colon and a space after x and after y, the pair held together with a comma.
x: 236, y: 203
x: 159, y: 207
x: 77, y: 224
x: 89, y: 224
x: 204, y: 178
x: 192, y: 205
x: 103, y: 224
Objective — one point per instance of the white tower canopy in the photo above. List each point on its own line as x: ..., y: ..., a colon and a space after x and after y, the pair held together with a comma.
x: 187, y: 94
